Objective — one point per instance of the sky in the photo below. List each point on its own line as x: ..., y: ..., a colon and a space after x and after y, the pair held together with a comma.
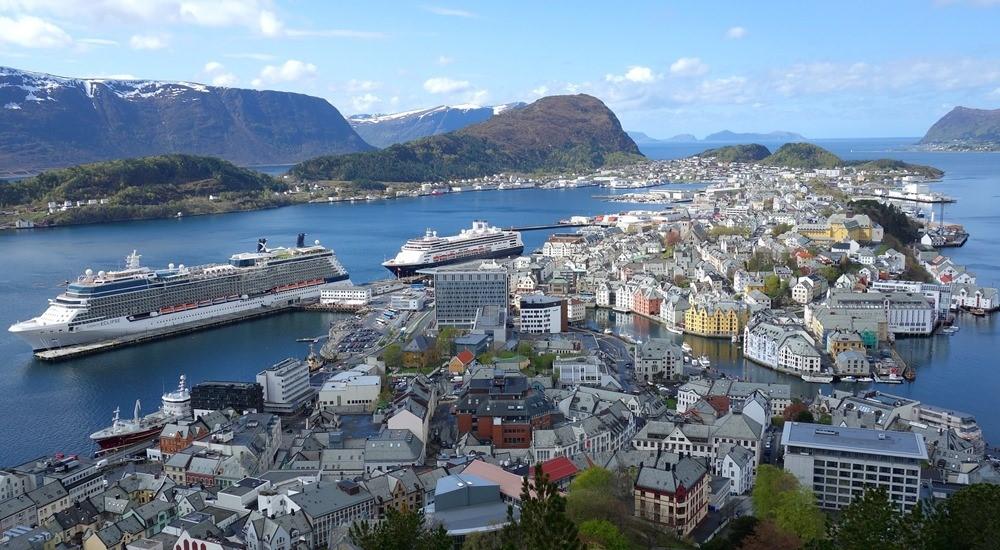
x: 823, y: 69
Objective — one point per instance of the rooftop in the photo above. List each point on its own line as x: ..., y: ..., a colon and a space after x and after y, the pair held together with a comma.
x: 880, y: 442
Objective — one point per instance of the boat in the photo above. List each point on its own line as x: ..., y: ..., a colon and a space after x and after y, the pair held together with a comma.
x: 865, y: 379
x: 673, y: 329
x: 891, y: 378
x: 736, y: 339
x: 949, y: 330
x: 848, y: 379
x: 481, y: 242
x: 978, y: 312
x: 818, y: 378
x: 139, y: 303
x: 175, y: 405
x: 608, y: 331
x: 703, y: 361
x: 687, y: 358
x: 686, y: 347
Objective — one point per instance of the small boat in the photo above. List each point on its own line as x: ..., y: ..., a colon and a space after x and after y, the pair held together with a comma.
x: 673, y: 329
x: 818, y: 378
x: 736, y: 339
x: 703, y: 361
x: 687, y: 358
x: 949, y: 330
x: 848, y: 379
x: 686, y: 347
x: 865, y: 379
x: 978, y: 312
x: 892, y: 378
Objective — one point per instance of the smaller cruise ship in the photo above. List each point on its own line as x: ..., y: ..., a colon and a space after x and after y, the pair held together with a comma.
x: 124, y: 432
x: 481, y: 242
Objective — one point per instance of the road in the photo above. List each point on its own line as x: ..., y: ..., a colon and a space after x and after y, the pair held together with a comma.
x: 616, y: 354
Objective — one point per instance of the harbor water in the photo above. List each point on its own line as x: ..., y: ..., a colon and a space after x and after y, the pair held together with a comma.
x: 53, y: 407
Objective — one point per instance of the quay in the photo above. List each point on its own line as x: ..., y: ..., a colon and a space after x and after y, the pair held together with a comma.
x: 549, y: 226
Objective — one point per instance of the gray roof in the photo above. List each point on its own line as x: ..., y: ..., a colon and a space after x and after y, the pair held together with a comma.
x: 47, y: 494
x: 12, y: 506
x: 860, y: 440
x: 321, y: 499
x: 668, y: 476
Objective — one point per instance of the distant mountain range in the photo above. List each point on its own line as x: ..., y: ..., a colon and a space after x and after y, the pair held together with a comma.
x: 553, y: 133
x: 49, y: 121
x: 383, y: 130
x: 808, y: 156
x: 965, y: 127
x: 724, y: 136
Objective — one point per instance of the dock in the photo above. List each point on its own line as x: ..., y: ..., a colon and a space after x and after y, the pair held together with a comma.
x: 549, y: 226
x: 71, y: 352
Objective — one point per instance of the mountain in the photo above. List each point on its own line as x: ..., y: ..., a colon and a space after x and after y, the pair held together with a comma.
x: 149, y: 187
x: 575, y: 132
x: 731, y: 137
x: 643, y: 139
x: 751, y: 152
x: 962, y: 124
x: 803, y: 155
x: 383, y: 130
x: 49, y: 121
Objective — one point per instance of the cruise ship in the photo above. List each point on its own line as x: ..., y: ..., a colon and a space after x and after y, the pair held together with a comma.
x: 481, y: 242
x: 176, y: 405
x: 139, y: 303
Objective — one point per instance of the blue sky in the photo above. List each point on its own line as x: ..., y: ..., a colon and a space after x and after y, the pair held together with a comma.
x: 833, y: 69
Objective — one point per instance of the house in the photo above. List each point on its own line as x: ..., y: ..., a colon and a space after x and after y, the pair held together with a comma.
x: 559, y: 470
x: 418, y: 352
x: 672, y: 492
x: 735, y: 463
x: 461, y: 362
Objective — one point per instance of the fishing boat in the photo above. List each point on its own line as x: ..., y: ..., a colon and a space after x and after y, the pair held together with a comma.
x: 818, y: 378
x: 978, y: 312
x: 948, y: 331
x: 686, y: 347
x: 703, y: 361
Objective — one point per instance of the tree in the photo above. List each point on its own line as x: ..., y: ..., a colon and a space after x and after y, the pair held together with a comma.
x: 798, y: 513
x: 445, y: 340
x: 805, y: 416
x: 489, y: 540
x: 793, y: 410
x: 402, y: 529
x: 825, y: 419
x: 599, y: 533
x: 393, y: 356
x: 525, y: 349
x: 871, y: 521
x: 767, y: 536
x: 737, y: 532
x: 543, y: 523
x: 780, y: 229
x: 772, y: 482
x: 966, y: 520
x: 592, y: 495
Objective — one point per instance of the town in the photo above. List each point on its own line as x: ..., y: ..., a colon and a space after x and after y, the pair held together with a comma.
x: 445, y: 392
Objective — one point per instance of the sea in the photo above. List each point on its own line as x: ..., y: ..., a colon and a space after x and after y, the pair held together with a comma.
x: 47, y: 408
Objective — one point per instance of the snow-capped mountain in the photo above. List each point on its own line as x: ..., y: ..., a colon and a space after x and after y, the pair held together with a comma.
x: 50, y: 121
x: 383, y: 130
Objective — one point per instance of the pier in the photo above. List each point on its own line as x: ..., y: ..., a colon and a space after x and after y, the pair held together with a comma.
x: 549, y: 226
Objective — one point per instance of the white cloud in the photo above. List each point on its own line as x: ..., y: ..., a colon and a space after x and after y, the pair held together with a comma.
x: 225, y: 80
x: 213, y: 67
x: 269, y: 23
x: 735, y: 33
x: 364, y: 102
x: 445, y: 60
x: 636, y: 73
x: 29, y: 31
x: 98, y: 42
x: 540, y: 91
x: 219, y: 75
x: 332, y: 33
x: 355, y: 85
x: 450, y: 12
x: 290, y: 71
x: 688, y: 66
x: 253, y: 56
x: 147, y: 42
x: 444, y: 85
x: 995, y: 94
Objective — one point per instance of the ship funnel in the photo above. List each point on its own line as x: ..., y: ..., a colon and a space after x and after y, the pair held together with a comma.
x: 301, y: 240
x: 262, y: 245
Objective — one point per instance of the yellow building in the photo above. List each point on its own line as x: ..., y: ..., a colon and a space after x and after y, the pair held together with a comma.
x: 841, y: 227
x: 725, y: 319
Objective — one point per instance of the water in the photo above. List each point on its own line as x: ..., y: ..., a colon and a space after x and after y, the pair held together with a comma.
x: 53, y: 407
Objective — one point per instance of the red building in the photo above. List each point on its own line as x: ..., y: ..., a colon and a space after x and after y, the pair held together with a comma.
x: 646, y: 301
x: 502, y: 407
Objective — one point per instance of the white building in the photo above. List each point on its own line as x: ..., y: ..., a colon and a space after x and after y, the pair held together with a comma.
x: 659, y: 358
x: 542, y: 314
x: 839, y: 463
x: 407, y: 301
x: 350, y: 391
x: 735, y: 463
x: 286, y: 386
x: 345, y: 296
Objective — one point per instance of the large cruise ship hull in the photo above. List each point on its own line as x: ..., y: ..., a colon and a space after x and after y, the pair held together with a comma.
x: 408, y: 270
x: 124, y: 330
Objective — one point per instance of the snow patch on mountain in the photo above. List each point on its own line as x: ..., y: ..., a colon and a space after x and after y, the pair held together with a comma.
x: 42, y: 86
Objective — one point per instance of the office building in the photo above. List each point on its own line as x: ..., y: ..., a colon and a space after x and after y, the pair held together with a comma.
x: 286, y: 386
x: 543, y: 314
x: 218, y: 395
x: 461, y: 290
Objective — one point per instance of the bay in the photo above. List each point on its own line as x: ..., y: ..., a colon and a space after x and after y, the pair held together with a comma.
x: 47, y: 408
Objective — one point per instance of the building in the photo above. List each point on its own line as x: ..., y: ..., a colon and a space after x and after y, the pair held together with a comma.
x: 393, y: 449
x: 350, y: 391
x: 543, y: 314
x: 467, y: 504
x: 348, y: 296
x: 672, y: 491
x: 659, y: 358
x: 808, y: 288
x: 216, y: 396
x: 286, y: 387
x: 502, y: 407
x: 462, y: 289
x: 840, y: 227
x: 328, y: 505
x: 575, y: 371
x: 720, y: 319
x: 840, y: 463
x: 904, y: 312
x: 781, y: 346
x: 409, y: 300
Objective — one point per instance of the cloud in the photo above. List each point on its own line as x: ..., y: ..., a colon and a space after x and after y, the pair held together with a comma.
x: 688, y: 66
x: 444, y: 85
x: 364, y: 102
x: 636, y: 73
x: 218, y: 74
x: 213, y: 67
x: 290, y: 71
x: 147, y: 42
x: 450, y: 12
x: 355, y: 85
x: 735, y: 33
x: 97, y: 42
x: 333, y: 33
x: 540, y: 91
x: 445, y: 60
x: 269, y: 23
x: 995, y: 94
x: 29, y: 31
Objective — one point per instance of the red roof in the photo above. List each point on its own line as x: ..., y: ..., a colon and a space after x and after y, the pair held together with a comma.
x: 465, y: 356
x: 558, y: 469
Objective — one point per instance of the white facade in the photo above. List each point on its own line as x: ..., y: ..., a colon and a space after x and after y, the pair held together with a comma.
x: 286, y: 386
x: 541, y: 314
x: 407, y: 301
x: 346, y: 295
x: 350, y: 391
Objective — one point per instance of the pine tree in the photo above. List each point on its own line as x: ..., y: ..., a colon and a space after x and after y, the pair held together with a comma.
x: 871, y: 521
x: 543, y: 523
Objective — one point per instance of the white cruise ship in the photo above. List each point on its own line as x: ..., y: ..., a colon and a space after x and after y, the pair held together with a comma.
x: 139, y: 303
x: 481, y: 242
